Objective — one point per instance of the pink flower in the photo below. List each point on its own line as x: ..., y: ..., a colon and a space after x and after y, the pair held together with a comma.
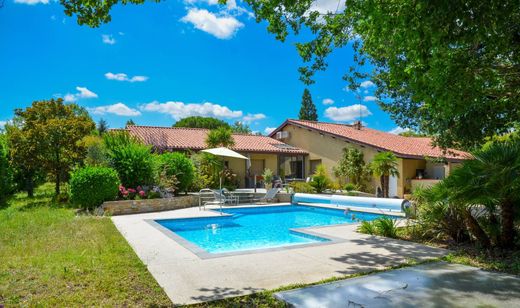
x: 141, y: 193
x: 139, y: 188
x: 131, y: 190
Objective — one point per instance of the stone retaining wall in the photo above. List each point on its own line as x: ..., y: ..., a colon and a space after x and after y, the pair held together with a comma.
x: 156, y: 205
x: 150, y: 205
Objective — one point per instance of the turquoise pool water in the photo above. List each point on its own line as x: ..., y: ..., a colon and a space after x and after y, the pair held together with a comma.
x: 259, y: 227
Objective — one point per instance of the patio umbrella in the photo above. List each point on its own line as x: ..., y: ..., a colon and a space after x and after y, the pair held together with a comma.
x: 224, y: 152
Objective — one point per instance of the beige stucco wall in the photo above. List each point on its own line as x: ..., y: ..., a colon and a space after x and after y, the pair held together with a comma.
x: 329, y: 150
x: 323, y: 147
x: 238, y: 166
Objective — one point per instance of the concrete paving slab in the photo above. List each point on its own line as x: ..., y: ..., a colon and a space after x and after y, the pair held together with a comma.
x: 187, y: 278
x: 436, y: 284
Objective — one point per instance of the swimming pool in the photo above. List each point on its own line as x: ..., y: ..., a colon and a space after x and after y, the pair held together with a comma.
x: 263, y: 227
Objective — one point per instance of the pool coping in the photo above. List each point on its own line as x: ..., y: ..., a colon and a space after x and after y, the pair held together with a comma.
x: 203, y: 254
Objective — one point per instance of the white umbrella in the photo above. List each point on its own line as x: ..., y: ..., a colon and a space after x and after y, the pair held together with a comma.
x: 224, y: 152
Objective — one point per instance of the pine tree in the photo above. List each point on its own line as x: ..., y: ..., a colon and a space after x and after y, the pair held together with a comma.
x: 102, y: 126
x: 308, y: 109
x: 130, y: 123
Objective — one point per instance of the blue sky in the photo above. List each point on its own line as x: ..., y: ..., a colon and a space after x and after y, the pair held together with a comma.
x: 157, y: 63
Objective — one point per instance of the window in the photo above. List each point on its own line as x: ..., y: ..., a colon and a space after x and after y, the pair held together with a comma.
x: 291, y: 167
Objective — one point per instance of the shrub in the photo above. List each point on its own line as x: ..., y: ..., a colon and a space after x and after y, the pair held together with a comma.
x: 382, y: 226
x: 386, y: 226
x: 320, y: 179
x: 91, y: 186
x: 268, y: 177
x: 302, y: 187
x: 367, y: 227
x: 350, y: 187
x: 180, y: 166
x: 132, y: 160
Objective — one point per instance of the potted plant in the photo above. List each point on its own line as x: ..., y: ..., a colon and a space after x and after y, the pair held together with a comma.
x: 268, y: 178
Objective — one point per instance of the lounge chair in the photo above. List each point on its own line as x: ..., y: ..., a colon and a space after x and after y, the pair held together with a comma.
x: 269, y: 195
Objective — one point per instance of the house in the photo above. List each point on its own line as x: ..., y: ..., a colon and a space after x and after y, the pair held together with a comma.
x: 419, y: 163
x: 263, y: 152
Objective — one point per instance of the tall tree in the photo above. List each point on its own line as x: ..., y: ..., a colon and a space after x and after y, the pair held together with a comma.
x: 52, y: 131
x: 308, y: 109
x: 240, y: 127
x: 384, y: 165
x: 102, y: 127
x: 220, y: 137
x: 130, y: 123
x: 201, y: 122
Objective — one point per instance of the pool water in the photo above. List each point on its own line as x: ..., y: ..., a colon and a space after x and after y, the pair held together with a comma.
x: 260, y: 227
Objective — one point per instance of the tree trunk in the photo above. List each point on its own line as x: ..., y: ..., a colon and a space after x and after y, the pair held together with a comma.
x: 476, y: 229
x: 29, y: 186
x: 507, y: 233
x: 387, y: 186
x: 58, y: 178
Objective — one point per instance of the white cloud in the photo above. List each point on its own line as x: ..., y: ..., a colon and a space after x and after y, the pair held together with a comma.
x: 327, y: 101
x: 398, y: 130
x: 327, y: 6
x: 253, y: 117
x: 370, y: 99
x: 32, y: 2
x: 108, y: 39
x: 180, y: 110
x: 83, y: 92
x: 119, y: 109
x: 269, y: 130
x: 367, y: 84
x: 2, y: 124
x: 348, y: 113
x: 222, y: 27
x: 124, y: 77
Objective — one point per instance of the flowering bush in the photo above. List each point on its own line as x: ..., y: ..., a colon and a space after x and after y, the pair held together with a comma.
x: 132, y: 194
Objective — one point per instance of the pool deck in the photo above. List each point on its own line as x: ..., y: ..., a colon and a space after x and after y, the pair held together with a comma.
x: 187, y: 278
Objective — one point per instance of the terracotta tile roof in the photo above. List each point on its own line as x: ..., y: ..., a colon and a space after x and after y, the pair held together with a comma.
x: 407, y: 147
x: 172, y: 138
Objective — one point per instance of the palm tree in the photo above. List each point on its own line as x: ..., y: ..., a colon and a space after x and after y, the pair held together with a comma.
x: 384, y: 165
x: 220, y: 137
x: 491, y: 179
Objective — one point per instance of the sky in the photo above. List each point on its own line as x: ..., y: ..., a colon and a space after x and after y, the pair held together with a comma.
x: 157, y: 63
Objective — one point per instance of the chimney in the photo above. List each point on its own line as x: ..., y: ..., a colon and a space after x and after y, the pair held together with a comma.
x: 357, y: 125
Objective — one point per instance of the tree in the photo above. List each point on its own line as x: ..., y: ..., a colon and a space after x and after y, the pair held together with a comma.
x: 102, y: 127
x: 201, y: 122
x: 50, y: 133
x: 130, y: 123
x: 6, y: 177
x: 491, y: 179
x: 352, y: 165
x: 240, y: 127
x: 308, y: 109
x: 220, y: 137
x: 384, y: 165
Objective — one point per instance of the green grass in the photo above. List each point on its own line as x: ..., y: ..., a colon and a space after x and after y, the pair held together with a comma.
x: 53, y: 257
x: 50, y: 256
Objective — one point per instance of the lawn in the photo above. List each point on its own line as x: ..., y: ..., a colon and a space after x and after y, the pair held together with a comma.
x: 53, y: 257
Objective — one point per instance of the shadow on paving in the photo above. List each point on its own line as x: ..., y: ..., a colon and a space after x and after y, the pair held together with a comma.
x: 219, y: 293
x: 437, y: 284
x: 397, y: 251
